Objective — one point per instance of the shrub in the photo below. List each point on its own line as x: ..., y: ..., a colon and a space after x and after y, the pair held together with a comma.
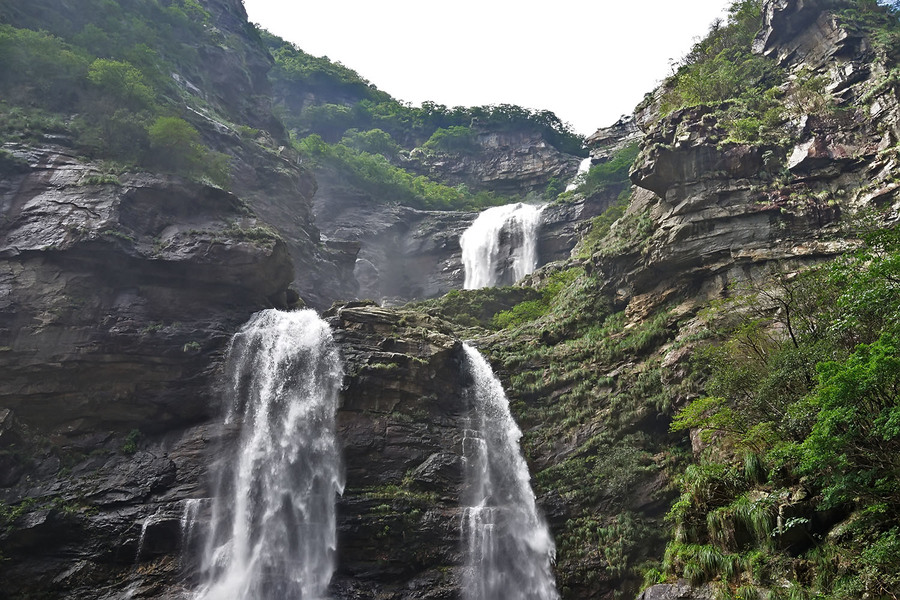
x: 122, y: 82
x: 385, y: 182
x: 39, y: 68
x: 721, y: 66
x: 456, y: 139
x: 531, y: 310
x: 175, y: 143
x: 373, y: 141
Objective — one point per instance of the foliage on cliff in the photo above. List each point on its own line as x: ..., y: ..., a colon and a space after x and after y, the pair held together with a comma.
x: 801, y: 420
x: 347, y: 101
x: 745, y: 88
x: 97, y: 77
x: 721, y: 66
x: 373, y: 173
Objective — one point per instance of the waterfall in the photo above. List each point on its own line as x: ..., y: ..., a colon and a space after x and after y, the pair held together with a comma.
x: 500, y: 246
x: 507, y: 544
x: 583, y: 167
x: 272, y: 531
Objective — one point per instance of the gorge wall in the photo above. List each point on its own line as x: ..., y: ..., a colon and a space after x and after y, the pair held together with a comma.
x: 119, y: 292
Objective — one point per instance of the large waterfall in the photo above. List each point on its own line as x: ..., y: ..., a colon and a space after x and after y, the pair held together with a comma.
x: 500, y: 247
x: 272, y: 532
x: 508, y: 546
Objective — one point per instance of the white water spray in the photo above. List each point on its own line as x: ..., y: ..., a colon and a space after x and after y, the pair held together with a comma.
x: 272, y: 532
x: 508, y: 547
x: 583, y: 167
x: 500, y: 247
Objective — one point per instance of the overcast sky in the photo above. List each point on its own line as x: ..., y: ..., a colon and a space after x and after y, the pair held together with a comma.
x: 589, y: 61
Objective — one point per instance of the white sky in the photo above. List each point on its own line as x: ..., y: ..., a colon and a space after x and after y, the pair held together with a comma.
x: 589, y: 61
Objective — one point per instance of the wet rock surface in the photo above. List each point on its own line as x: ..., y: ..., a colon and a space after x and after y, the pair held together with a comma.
x: 117, y: 301
x: 408, y: 254
x: 108, y: 512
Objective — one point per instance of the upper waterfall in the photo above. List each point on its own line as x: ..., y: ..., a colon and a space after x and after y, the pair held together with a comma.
x: 508, y: 546
x: 272, y: 533
x: 500, y: 247
x: 583, y: 167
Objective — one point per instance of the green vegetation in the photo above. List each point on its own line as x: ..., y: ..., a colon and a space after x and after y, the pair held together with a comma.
x: 529, y: 310
x: 456, y: 139
x: 721, y: 66
x: 595, y: 237
x: 878, y: 21
x: 580, y: 379
x: 96, y: 77
x: 610, y: 177
x: 175, y: 146
x: 384, y: 182
x: 363, y: 107
x: 802, y: 415
x: 130, y: 445
x: 610, y: 174
x: 302, y: 72
x: 477, y: 308
x: 721, y: 71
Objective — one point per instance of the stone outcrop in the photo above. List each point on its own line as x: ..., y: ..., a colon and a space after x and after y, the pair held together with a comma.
x: 403, y: 253
x: 514, y: 162
x: 400, y: 429
x: 107, y: 515
x: 606, y: 141
x: 676, y: 591
x: 117, y: 297
x: 266, y: 173
x: 114, y: 295
x: 721, y: 209
x: 409, y: 254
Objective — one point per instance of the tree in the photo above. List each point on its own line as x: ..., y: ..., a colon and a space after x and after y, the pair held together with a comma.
x: 121, y: 81
x: 175, y: 144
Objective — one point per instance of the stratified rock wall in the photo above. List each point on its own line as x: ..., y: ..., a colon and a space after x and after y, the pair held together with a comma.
x: 505, y: 162
x: 722, y: 209
x: 403, y: 253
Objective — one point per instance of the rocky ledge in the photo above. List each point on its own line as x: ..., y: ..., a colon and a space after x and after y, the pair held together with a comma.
x: 112, y: 513
x: 505, y: 162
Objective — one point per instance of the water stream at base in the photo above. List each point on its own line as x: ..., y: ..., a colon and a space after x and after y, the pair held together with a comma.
x: 484, y: 241
x: 507, y: 544
x: 272, y: 533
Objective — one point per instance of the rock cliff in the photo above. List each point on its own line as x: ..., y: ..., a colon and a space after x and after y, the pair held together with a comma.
x: 119, y: 292
x: 514, y: 162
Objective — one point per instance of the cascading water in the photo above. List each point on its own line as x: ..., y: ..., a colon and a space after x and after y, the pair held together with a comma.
x: 583, y: 167
x: 491, y: 260
x: 272, y: 531
x: 507, y: 544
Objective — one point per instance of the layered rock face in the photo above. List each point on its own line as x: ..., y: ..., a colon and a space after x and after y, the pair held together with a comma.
x: 141, y: 278
x: 514, y: 162
x: 409, y: 254
x: 400, y: 423
x: 107, y: 518
x: 722, y: 209
x: 403, y: 253
x: 266, y: 172
x: 117, y: 301
x: 118, y: 294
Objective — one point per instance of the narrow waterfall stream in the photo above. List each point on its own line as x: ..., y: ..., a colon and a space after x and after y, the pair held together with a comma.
x: 583, y: 167
x: 272, y: 533
x: 507, y: 543
x: 500, y: 246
